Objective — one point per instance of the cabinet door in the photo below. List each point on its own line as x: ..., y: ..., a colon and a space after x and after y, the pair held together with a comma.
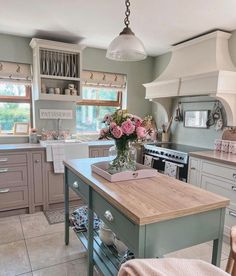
x: 13, y: 176
x: 194, y: 172
x: 38, y: 177
x: 105, y: 152
x: 94, y: 152
x: 55, y: 184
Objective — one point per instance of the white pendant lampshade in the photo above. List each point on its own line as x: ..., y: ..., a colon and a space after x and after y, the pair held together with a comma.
x: 126, y: 46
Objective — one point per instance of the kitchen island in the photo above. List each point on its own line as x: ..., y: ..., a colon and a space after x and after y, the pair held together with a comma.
x: 152, y: 216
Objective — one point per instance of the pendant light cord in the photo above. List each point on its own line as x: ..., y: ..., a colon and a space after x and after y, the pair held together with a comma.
x: 127, y: 13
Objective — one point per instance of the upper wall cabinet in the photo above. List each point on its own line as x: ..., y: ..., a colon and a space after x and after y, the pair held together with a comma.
x: 56, y: 70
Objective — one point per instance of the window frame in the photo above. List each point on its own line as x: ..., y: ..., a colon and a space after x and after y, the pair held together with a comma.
x: 19, y: 99
x: 115, y: 103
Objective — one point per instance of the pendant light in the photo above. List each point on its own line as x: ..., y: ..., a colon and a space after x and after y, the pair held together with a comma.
x: 126, y: 46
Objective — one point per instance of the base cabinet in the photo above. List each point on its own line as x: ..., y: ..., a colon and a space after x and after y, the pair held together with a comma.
x: 217, y: 178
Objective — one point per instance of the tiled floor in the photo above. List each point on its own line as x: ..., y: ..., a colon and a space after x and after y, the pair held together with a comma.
x: 29, y: 246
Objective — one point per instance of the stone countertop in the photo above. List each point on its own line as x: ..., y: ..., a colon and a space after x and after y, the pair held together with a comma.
x: 217, y: 156
x: 28, y: 146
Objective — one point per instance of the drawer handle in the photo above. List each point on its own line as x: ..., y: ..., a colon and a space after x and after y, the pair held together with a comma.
x: 36, y: 161
x: 234, y: 188
x: 193, y: 169
x: 108, y: 215
x: 234, y: 176
x: 232, y: 214
x: 3, y: 170
x: 2, y: 191
x: 4, y: 160
x: 76, y: 184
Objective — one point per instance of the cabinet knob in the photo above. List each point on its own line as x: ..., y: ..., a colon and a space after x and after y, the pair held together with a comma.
x: 108, y: 216
x: 234, y: 188
x: 193, y: 169
x: 3, y: 191
x: 234, y: 176
x: 76, y: 184
x: 36, y: 161
x: 233, y: 214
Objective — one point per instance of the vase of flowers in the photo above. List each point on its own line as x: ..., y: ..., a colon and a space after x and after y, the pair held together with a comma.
x: 125, y: 129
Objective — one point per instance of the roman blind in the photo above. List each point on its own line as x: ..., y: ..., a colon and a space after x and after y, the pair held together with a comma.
x: 15, y: 72
x: 102, y: 79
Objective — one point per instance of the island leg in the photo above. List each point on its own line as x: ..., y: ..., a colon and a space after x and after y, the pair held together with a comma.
x: 66, y: 200
x: 217, y: 243
x: 90, y: 234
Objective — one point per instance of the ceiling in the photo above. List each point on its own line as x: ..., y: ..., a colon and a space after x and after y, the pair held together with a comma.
x: 158, y: 23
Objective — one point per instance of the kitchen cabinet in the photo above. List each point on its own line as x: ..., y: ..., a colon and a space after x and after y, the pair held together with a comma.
x: 99, y: 151
x: 38, y: 177
x: 55, y: 186
x: 218, y: 178
x: 56, y: 65
x: 193, y: 171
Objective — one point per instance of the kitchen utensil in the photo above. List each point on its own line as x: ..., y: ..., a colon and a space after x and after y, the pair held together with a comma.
x: 120, y: 246
x: 169, y: 124
x: 67, y: 91
x: 178, y: 114
x: 71, y: 86
x: 51, y: 90
x: 165, y: 137
x: 73, y: 92
x: 106, y: 235
x: 57, y: 91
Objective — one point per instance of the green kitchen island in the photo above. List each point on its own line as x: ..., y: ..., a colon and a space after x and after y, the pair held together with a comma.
x: 152, y: 216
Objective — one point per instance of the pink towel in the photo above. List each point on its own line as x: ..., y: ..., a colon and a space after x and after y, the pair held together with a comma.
x: 169, y: 267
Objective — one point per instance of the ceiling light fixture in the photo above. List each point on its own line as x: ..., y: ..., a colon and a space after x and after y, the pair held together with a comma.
x: 126, y: 46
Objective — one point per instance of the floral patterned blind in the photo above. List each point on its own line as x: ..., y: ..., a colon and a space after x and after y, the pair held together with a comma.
x: 15, y: 72
x: 102, y: 79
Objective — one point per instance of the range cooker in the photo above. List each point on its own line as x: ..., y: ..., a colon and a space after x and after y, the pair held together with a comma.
x: 175, y: 153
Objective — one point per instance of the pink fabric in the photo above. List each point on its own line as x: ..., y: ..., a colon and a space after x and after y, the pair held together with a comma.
x: 169, y: 267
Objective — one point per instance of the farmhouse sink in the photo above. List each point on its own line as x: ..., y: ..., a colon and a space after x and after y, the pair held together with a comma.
x: 74, y: 149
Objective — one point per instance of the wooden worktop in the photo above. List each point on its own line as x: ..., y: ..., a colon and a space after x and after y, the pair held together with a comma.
x: 148, y: 200
x: 216, y: 156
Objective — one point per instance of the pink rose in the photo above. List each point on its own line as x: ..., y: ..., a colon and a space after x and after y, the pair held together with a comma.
x: 112, y: 125
x: 117, y: 132
x: 107, y: 118
x: 128, y: 127
x: 141, y: 132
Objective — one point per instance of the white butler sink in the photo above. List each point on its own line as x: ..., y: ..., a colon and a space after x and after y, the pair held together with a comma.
x: 73, y: 149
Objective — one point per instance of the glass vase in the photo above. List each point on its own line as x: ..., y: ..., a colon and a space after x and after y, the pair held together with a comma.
x: 125, y: 157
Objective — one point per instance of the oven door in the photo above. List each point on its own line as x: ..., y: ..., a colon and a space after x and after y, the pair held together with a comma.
x: 159, y: 164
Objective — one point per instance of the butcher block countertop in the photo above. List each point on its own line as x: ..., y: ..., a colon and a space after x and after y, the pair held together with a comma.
x: 217, y: 156
x: 149, y: 200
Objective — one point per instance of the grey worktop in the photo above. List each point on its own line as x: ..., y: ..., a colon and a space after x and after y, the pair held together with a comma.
x: 216, y: 156
x: 28, y: 146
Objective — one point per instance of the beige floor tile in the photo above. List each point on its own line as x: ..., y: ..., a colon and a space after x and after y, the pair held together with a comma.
x: 201, y: 251
x: 14, y: 259
x: 72, y: 268
x: 10, y: 229
x: 35, y: 225
x: 50, y: 250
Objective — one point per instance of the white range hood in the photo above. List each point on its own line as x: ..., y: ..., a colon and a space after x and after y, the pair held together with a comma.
x: 201, y: 66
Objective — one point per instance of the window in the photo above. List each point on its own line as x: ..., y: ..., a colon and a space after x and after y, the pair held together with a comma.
x: 15, y: 105
x: 95, y: 104
x: 102, y: 93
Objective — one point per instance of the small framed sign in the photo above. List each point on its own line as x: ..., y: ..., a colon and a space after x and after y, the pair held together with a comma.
x: 21, y: 129
x: 56, y: 114
x: 196, y: 118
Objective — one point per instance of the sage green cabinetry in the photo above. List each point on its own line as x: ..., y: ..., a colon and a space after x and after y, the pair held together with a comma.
x: 218, y: 178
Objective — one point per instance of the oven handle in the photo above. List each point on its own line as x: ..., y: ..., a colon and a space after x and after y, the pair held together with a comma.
x: 178, y: 165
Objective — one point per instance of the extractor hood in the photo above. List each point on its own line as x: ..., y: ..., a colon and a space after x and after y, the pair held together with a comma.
x: 200, y: 66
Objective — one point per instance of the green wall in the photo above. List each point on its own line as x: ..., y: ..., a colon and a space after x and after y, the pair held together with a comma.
x: 17, y: 49
x: 180, y: 134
